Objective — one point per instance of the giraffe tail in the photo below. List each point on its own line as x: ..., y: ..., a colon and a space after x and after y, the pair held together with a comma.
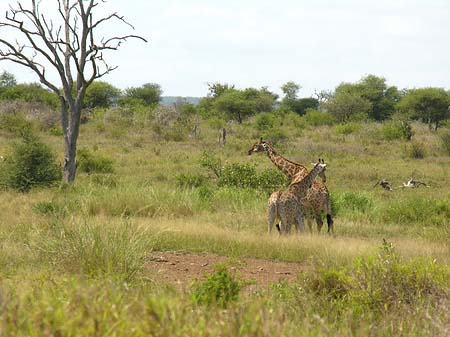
x: 329, y: 217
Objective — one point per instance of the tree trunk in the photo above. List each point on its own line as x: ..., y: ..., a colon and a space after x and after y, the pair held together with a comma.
x: 71, y: 126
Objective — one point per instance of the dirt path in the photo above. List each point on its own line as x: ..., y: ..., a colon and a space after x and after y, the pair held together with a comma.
x: 180, y: 269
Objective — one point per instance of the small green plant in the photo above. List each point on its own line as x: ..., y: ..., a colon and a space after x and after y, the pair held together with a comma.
x: 354, y: 201
x: 220, y: 288
x: 415, y: 150
x: 190, y: 180
x: 30, y: 164
x: 212, y: 163
x: 347, y: 128
x: 50, y: 208
x: 89, y: 162
x: 393, y: 130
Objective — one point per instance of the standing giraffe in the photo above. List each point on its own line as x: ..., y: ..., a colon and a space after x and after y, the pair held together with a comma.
x: 288, y: 206
x: 317, y: 198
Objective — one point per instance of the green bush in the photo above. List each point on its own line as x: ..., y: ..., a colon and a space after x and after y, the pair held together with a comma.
x: 396, y: 130
x: 264, y: 121
x: 415, y: 150
x: 89, y: 162
x: 275, y: 135
x: 239, y: 175
x: 347, y: 128
x: 220, y: 288
x: 30, y: 164
x: 381, y: 282
x: 15, y: 123
x: 444, y: 137
x: 271, y: 180
x: 317, y: 118
x: 212, y: 163
x: 353, y: 201
x: 420, y: 210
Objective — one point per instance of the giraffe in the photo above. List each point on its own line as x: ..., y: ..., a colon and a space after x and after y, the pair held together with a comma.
x: 317, y: 197
x: 286, y: 204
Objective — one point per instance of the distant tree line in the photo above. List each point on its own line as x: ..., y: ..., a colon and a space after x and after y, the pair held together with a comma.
x: 98, y: 95
x: 371, y: 98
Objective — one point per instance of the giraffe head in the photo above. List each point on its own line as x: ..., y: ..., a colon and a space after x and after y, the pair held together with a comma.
x: 260, y: 146
x: 322, y: 168
x: 321, y: 173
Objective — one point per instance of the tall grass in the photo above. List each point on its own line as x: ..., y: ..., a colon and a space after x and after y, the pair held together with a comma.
x: 115, y: 251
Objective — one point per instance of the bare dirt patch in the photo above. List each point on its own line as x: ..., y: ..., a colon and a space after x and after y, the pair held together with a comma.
x: 180, y: 269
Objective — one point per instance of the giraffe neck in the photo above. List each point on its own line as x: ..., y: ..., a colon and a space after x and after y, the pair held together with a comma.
x: 301, y: 187
x: 289, y: 168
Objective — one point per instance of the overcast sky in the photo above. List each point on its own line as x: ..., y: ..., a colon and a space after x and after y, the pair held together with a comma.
x: 316, y: 43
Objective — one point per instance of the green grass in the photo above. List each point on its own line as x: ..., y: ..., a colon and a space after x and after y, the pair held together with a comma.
x: 73, y: 258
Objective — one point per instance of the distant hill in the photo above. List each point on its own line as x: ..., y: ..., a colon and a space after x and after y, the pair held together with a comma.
x: 171, y: 100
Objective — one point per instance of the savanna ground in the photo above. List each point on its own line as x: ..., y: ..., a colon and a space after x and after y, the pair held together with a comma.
x: 133, y: 252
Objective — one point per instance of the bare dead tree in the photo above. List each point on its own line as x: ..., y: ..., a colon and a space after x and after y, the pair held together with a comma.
x: 66, y: 44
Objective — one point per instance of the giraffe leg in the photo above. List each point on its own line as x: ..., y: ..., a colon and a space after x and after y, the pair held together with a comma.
x: 285, y: 224
x: 271, y: 216
x: 319, y: 221
x: 309, y: 222
x: 301, y: 222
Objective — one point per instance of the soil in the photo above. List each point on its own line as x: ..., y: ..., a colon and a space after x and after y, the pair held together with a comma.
x: 179, y: 269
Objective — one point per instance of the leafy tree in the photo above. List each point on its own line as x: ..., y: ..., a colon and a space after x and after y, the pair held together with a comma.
x: 370, y: 89
x: 290, y: 90
x: 67, y: 45
x: 240, y: 104
x: 7, y: 80
x: 32, y: 92
x: 346, y: 105
x: 382, y: 97
x: 147, y: 94
x: 300, y: 106
x: 101, y: 95
x: 216, y: 89
x: 431, y: 105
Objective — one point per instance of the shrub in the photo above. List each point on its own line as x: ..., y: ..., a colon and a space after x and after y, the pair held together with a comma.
x: 352, y: 201
x: 396, y: 130
x: 239, y: 175
x: 264, y: 121
x: 89, y: 162
x: 347, y: 128
x: 444, y: 137
x: 212, y: 163
x: 275, y: 135
x: 30, y: 164
x: 415, y: 150
x: 15, y: 123
x: 271, y: 180
x: 220, y: 288
x: 316, y: 118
